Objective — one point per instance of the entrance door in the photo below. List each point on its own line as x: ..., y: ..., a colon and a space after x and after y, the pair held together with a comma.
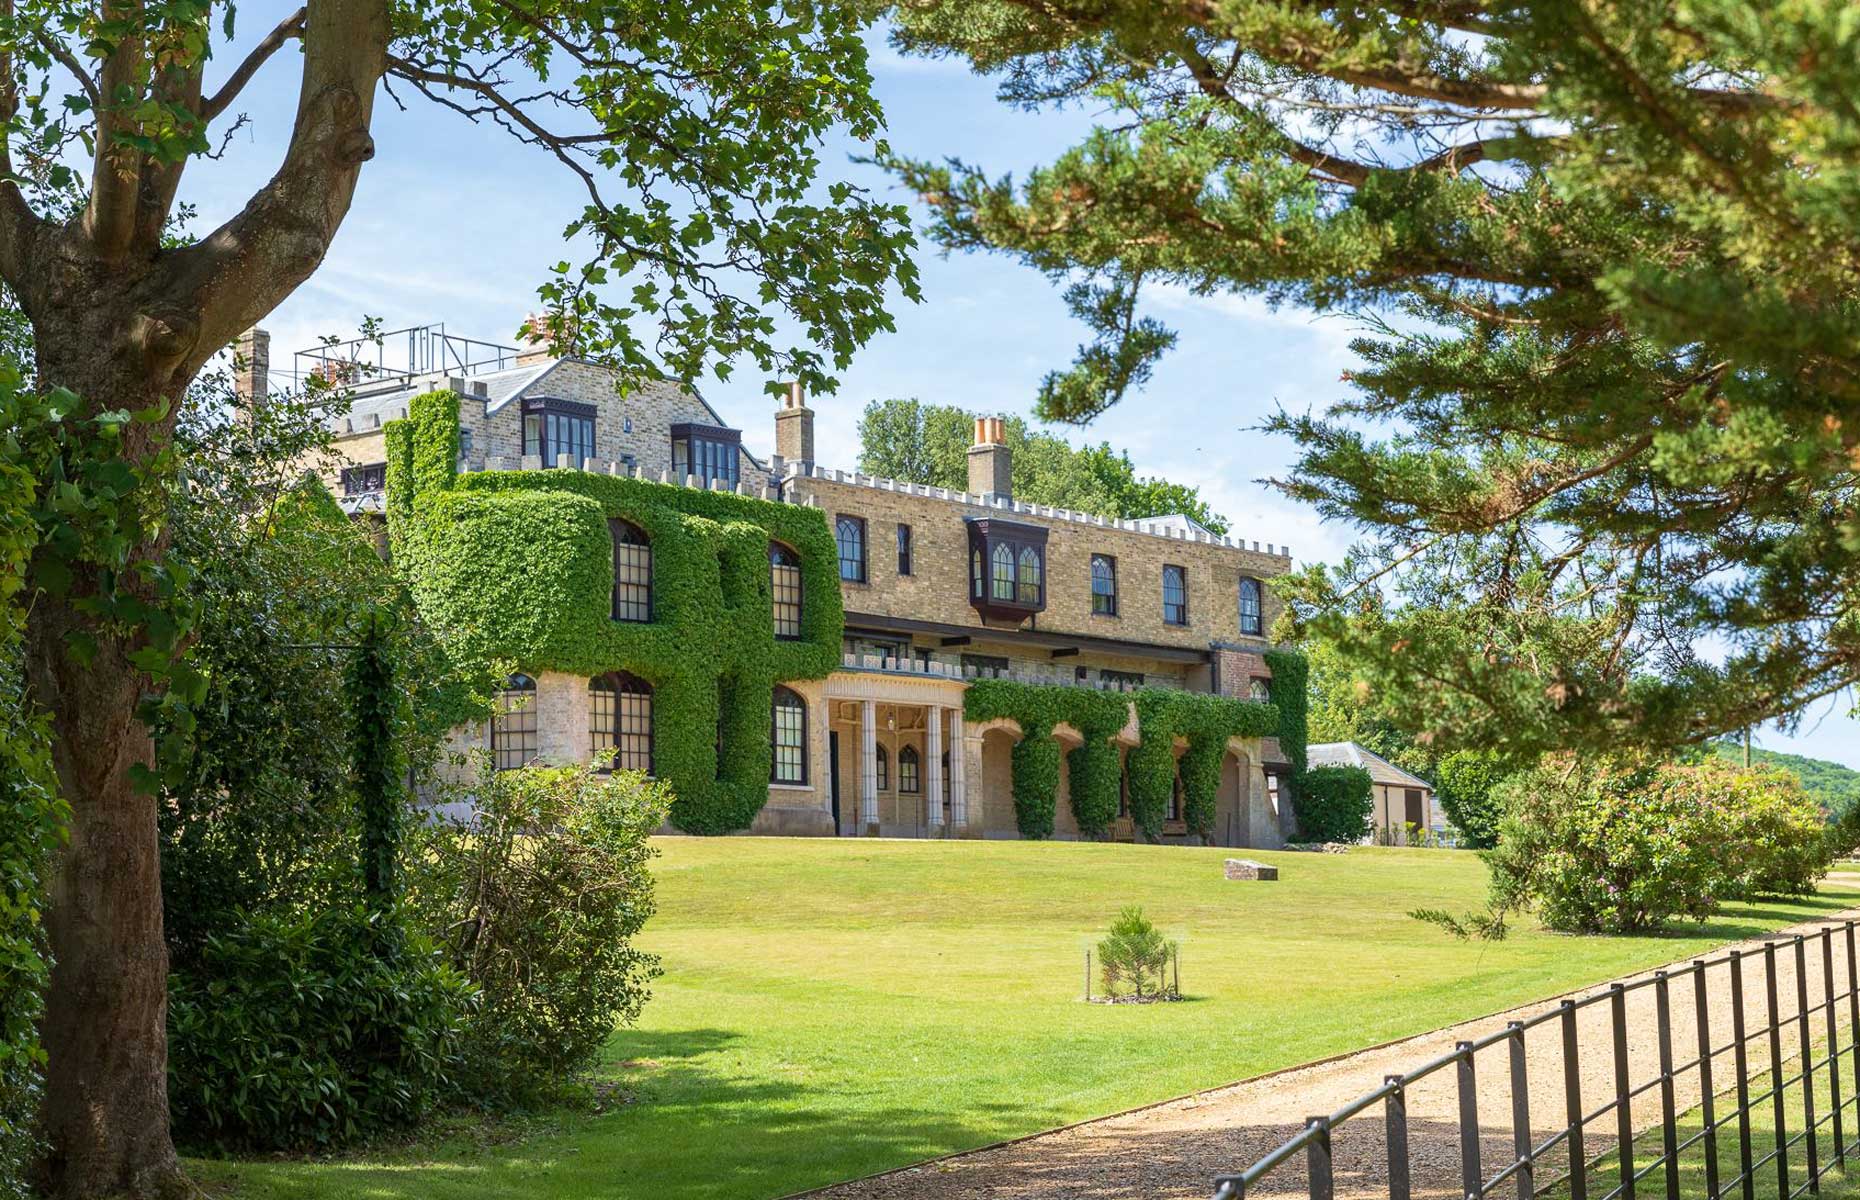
x: 833, y: 777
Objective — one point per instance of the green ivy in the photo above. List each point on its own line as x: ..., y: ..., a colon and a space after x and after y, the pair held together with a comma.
x: 517, y: 567
x: 1291, y: 672
x: 1206, y: 722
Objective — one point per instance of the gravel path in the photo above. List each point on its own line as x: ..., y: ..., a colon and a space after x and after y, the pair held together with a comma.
x: 1175, y: 1149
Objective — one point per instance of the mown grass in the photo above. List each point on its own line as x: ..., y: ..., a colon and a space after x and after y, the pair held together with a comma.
x: 834, y: 1008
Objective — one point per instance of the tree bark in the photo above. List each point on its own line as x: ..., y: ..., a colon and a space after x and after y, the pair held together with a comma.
x: 105, y: 1111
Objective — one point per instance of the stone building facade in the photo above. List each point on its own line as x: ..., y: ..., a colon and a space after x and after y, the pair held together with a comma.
x: 940, y: 589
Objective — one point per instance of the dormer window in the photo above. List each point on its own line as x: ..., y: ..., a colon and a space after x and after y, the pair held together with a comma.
x: 1007, y: 568
x: 552, y: 428
x: 706, y: 451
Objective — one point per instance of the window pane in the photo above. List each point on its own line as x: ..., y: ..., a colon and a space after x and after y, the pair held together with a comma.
x: 884, y: 770
x: 1103, y: 586
x: 620, y: 720
x: 513, y: 724
x: 1175, y: 596
x: 904, y: 549
x: 1029, y: 575
x: 632, y: 573
x: 850, y: 532
x: 1249, y: 606
x: 788, y: 716
x: 785, y: 579
x: 907, y: 769
x: 1003, y: 572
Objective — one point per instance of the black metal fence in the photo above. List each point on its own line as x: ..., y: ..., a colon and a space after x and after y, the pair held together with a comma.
x: 1754, y: 1123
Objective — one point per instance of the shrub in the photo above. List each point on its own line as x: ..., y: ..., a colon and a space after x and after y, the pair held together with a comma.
x: 1135, y: 956
x: 1602, y: 850
x: 309, y: 1030
x: 537, y: 898
x: 1333, y: 804
x: 1467, y: 784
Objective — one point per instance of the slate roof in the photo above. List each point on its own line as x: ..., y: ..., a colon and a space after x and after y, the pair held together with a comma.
x: 1349, y: 754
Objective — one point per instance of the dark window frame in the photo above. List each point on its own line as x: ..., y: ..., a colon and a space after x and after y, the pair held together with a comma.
x: 785, y: 578
x: 560, y: 427
x: 363, y: 478
x: 527, y: 731
x: 1104, y: 603
x: 842, y: 523
x: 780, y: 703
x: 1004, y: 587
x: 1180, y: 619
x: 616, y: 685
x: 710, y: 452
x: 638, y: 553
x: 881, y: 762
x: 904, y: 548
x: 1257, y: 591
x: 910, y: 774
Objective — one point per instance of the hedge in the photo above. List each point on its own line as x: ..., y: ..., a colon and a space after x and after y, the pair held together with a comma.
x: 1204, y: 721
x: 1334, y: 803
x: 516, y: 568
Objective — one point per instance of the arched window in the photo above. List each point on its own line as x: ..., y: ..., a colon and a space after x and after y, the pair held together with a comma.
x: 632, y: 572
x: 977, y: 576
x: 513, y: 723
x: 788, y: 735
x: 1003, y: 571
x: 620, y: 721
x: 785, y: 579
x: 1103, y: 585
x: 1175, y: 794
x: 1029, y: 575
x: 1259, y: 689
x: 1249, y: 606
x: 884, y: 770
x: 907, y: 770
x: 850, y: 533
x: 1175, y: 596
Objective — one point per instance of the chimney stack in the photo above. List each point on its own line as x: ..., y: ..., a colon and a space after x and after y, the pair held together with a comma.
x: 794, y: 428
x: 991, y: 465
x: 252, y: 368
x: 535, y: 348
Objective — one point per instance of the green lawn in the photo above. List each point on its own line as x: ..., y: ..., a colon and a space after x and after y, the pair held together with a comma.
x: 832, y: 1008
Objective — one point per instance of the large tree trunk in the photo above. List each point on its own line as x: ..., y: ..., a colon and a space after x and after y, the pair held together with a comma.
x: 105, y: 1112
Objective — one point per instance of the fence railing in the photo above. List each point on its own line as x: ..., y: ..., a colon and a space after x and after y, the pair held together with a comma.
x: 1704, y: 1045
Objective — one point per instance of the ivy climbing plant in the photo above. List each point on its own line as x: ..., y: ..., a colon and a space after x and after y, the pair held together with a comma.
x: 516, y: 567
x: 1204, y: 722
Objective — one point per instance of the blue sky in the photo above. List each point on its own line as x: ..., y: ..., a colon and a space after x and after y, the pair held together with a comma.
x: 457, y: 223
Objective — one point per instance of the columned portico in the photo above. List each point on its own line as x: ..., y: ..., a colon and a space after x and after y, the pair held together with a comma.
x: 892, y: 732
x: 958, y: 769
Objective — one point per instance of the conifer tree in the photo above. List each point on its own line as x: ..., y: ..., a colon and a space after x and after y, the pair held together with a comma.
x: 1605, y: 435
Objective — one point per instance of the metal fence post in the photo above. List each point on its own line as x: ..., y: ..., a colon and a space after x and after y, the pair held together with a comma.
x: 1317, y: 1158
x: 1395, y: 1110
x: 1808, y: 1062
x: 1706, y: 1091
x: 1834, y: 1044
x: 1624, y: 1115
x: 1669, y: 1119
x: 1741, y: 1059
x: 1776, y: 1075
x: 1853, y: 1018
x: 1472, y: 1178
x: 1521, y: 1113
x: 1572, y: 1105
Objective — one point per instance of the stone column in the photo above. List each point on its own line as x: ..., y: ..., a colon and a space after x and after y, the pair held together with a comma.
x: 933, y: 753
x: 561, y: 718
x: 868, y: 764
x: 958, y: 769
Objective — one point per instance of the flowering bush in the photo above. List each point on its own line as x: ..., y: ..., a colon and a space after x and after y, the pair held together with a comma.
x: 1596, y: 849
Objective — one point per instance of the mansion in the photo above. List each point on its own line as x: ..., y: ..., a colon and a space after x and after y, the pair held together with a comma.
x: 795, y: 647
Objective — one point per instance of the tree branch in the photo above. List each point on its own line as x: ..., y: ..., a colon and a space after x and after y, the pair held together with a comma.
x: 290, y: 27
x: 71, y: 63
x: 240, y: 271
x: 17, y: 221
x: 109, y: 217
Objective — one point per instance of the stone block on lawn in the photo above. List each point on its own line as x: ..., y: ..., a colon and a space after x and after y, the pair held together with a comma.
x: 1246, y: 868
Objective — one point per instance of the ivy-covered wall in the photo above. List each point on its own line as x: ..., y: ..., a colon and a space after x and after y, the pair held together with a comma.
x: 516, y: 568
x: 1204, y: 721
